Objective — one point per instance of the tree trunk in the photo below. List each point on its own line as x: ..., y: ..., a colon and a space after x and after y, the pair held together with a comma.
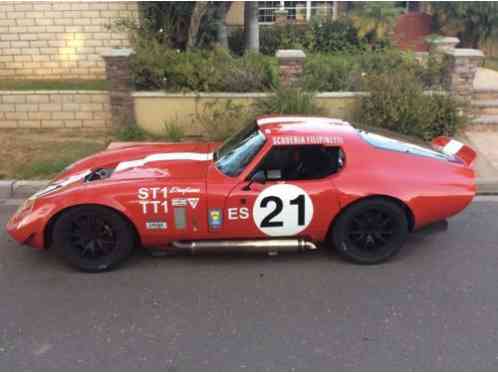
x: 335, y: 10
x: 221, y: 29
x: 251, y: 25
x: 200, y: 9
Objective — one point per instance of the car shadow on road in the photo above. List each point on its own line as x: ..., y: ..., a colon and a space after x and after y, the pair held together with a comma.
x: 417, y: 245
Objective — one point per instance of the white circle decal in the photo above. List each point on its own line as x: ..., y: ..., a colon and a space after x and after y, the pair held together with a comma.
x: 282, y: 210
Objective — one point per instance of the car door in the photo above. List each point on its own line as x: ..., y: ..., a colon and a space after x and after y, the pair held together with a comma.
x: 297, y: 198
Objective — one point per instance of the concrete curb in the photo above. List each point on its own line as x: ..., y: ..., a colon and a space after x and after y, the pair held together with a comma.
x: 20, y: 188
x: 17, y: 189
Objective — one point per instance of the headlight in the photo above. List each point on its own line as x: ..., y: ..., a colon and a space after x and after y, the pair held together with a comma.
x: 25, y: 207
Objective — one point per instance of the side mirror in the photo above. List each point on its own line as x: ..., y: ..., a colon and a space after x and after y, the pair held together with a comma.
x: 259, y: 177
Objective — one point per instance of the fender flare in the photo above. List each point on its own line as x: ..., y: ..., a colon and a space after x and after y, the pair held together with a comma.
x: 408, y: 211
x: 47, y: 233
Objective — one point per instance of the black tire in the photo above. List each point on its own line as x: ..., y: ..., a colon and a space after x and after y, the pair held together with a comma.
x: 93, y: 238
x: 370, y: 231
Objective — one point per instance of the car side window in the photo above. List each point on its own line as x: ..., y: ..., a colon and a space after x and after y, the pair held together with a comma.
x: 304, y: 162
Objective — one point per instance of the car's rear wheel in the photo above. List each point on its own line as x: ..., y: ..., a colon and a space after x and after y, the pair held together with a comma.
x: 370, y: 231
x: 93, y: 238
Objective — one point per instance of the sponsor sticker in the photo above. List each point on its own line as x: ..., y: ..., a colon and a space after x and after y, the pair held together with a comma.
x: 156, y: 225
x: 184, y: 190
x: 305, y: 140
x: 179, y: 202
x: 193, y: 202
x: 215, y: 217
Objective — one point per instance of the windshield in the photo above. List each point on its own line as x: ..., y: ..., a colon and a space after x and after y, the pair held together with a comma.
x: 236, y: 153
x: 387, y: 143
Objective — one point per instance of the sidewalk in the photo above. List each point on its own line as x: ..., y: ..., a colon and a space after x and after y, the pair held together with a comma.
x: 486, y: 146
x: 485, y: 142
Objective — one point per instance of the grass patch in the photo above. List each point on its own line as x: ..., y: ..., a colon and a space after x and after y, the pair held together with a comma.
x: 171, y: 132
x: 51, y: 164
x: 136, y: 133
x: 41, y: 154
x: 53, y: 85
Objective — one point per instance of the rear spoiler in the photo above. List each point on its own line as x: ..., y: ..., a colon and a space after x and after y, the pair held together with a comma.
x: 455, y: 148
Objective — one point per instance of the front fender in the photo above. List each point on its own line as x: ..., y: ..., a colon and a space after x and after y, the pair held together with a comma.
x: 31, y: 225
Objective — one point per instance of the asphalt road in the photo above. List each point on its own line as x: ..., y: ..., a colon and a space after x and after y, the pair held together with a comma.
x: 435, y: 307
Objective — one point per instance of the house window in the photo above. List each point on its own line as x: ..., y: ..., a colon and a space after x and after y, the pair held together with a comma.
x: 266, y: 9
x: 297, y: 11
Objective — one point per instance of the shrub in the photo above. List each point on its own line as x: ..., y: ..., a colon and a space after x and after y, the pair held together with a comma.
x: 287, y: 36
x: 236, y: 40
x: 288, y: 100
x: 328, y: 72
x: 159, y: 67
x: 336, y: 36
x: 221, y: 121
x: 397, y: 102
x: 130, y: 133
x: 430, y: 71
x: 173, y: 131
x: 349, y: 71
x: 319, y: 37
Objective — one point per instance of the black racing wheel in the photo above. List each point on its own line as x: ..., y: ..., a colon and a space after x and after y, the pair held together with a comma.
x: 93, y: 238
x: 370, y: 231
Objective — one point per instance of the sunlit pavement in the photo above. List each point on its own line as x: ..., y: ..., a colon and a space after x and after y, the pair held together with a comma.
x: 435, y: 307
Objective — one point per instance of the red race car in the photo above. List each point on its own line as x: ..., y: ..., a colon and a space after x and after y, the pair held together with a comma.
x: 281, y: 184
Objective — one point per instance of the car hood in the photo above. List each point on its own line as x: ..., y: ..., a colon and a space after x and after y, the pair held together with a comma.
x: 184, y: 160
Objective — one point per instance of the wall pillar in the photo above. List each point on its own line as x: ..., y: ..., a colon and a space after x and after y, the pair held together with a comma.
x: 117, y: 68
x: 462, y: 69
x: 291, y: 65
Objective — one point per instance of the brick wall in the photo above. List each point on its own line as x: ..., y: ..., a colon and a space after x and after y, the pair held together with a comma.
x: 411, y: 30
x: 54, y: 109
x: 57, y: 39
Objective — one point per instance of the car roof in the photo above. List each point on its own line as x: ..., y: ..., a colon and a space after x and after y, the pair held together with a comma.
x: 314, y: 129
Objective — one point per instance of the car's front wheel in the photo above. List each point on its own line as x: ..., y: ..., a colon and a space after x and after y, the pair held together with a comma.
x: 93, y: 238
x: 370, y: 231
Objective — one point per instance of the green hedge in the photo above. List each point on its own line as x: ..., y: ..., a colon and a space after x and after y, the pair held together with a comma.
x: 314, y: 37
x: 397, y: 102
x: 159, y: 67
x: 348, y: 71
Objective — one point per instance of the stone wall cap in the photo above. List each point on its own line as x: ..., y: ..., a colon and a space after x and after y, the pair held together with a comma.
x: 119, y: 52
x: 442, y: 39
x: 229, y: 95
x: 290, y: 54
x: 53, y: 92
x: 464, y: 52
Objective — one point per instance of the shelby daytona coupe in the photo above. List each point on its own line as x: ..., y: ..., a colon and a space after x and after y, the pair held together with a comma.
x: 280, y: 184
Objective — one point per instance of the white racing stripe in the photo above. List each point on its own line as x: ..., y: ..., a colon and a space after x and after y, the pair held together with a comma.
x: 164, y: 157
x: 60, y: 184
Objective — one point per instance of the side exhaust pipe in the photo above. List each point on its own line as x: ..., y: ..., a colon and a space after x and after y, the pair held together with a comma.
x: 249, y: 246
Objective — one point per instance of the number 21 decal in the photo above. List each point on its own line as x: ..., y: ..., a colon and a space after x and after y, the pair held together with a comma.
x: 283, y: 210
